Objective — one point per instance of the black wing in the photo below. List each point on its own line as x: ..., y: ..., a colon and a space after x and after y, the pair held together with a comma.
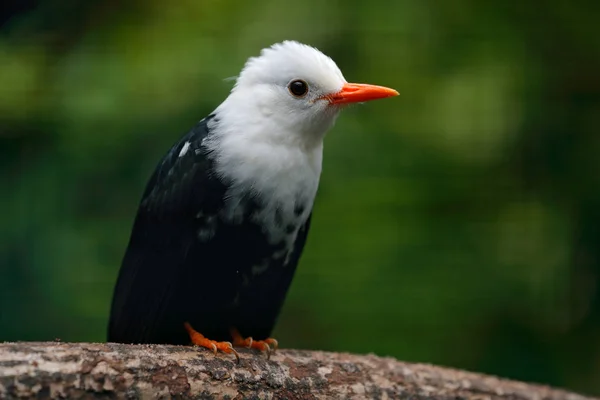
x: 170, y: 274
x: 163, y: 233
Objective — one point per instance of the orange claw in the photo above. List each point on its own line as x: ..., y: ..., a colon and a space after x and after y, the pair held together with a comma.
x: 199, y: 340
x: 262, y: 345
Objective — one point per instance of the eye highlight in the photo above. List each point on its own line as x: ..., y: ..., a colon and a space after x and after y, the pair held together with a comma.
x: 298, y: 88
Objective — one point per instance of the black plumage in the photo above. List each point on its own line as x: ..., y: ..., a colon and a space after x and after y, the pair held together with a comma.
x: 184, y: 262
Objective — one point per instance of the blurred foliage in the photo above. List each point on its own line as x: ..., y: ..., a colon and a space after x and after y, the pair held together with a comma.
x: 458, y: 224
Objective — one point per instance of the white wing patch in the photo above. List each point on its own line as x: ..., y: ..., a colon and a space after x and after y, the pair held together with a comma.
x: 184, y: 149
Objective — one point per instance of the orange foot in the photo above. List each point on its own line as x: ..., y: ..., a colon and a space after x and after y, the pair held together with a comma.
x: 262, y: 345
x: 199, y: 340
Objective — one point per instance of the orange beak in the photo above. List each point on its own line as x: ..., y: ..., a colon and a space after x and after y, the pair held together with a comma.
x: 359, y: 92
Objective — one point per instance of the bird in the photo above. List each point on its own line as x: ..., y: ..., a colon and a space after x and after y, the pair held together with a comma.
x: 224, y: 218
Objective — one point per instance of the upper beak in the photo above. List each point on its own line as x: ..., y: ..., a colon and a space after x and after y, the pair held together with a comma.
x: 359, y: 92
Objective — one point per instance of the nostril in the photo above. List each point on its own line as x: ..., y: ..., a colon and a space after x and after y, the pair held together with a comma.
x: 351, y: 88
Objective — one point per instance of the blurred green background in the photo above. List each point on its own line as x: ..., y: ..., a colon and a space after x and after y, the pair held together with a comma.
x: 458, y: 224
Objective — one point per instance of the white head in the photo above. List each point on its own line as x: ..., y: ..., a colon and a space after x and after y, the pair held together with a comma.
x: 295, y: 92
x: 267, y: 137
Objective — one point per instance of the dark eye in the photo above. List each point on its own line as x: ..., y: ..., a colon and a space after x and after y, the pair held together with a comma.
x: 298, y: 88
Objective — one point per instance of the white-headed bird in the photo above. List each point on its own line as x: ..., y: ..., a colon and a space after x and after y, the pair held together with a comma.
x: 224, y: 218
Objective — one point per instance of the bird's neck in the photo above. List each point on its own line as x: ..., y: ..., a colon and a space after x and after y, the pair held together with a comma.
x: 284, y: 178
x: 248, y: 157
x: 248, y: 136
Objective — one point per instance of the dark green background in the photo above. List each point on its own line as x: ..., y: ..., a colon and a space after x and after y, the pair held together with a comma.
x: 457, y: 224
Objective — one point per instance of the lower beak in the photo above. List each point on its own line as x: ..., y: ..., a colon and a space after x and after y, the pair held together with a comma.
x: 359, y: 92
